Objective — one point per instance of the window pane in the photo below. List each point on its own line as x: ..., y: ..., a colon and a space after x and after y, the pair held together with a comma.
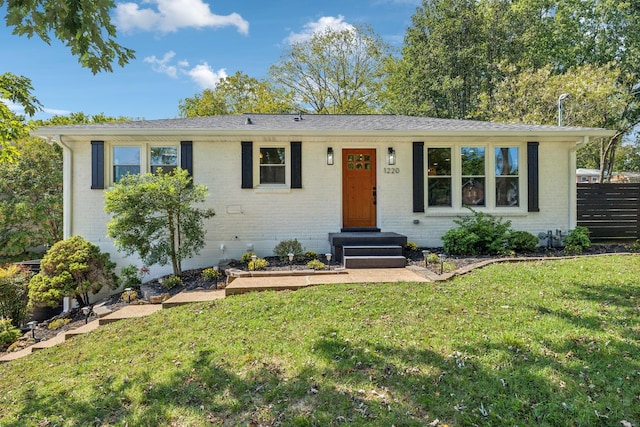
x: 439, y: 161
x: 272, y: 175
x: 272, y: 156
x: 439, y: 191
x: 164, y: 156
x: 507, y: 161
x: 126, y: 160
x: 473, y: 191
x: 272, y: 166
x: 472, y: 161
x: 507, y: 192
x: 439, y: 176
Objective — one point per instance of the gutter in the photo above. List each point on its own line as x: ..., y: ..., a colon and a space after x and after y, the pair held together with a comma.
x: 67, y: 186
x: 573, y: 187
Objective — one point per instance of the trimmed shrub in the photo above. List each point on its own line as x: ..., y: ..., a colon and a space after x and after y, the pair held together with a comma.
x: 411, y: 246
x: 211, y: 274
x: 577, y: 241
x: 73, y: 267
x: 172, y: 281
x: 8, y: 333
x: 522, y: 241
x: 246, y: 257
x: 311, y: 255
x: 14, y: 293
x: 479, y: 234
x: 58, y: 323
x: 315, y: 264
x: 258, y: 264
x: 286, y: 247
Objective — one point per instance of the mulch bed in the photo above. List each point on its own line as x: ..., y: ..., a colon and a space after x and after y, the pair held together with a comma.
x: 193, y: 280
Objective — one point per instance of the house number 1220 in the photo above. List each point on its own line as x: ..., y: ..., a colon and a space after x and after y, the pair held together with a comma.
x: 392, y: 170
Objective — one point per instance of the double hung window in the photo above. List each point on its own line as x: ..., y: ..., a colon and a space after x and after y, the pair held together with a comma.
x: 439, y: 176
x: 164, y: 158
x: 272, y: 165
x: 473, y: 179
x: 126, y: 160
x: 507, y: 176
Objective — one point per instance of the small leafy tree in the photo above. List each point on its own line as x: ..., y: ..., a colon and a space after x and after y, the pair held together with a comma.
x: 72, y: 268
x: 14, y: 293
x: 153, y: 215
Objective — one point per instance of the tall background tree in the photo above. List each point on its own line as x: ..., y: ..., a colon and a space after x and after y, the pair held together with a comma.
x: 458, y: 53
x: 84, y: 26
x: 335, y: 72
x: 239, y: 94
x: 31, y: 191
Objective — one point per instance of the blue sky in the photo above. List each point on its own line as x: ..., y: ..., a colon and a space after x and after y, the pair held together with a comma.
x: 185, y: 46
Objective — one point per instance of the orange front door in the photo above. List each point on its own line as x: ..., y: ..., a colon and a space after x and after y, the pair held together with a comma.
x: 358, y: 188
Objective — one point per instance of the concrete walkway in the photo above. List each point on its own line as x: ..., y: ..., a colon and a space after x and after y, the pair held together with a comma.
x: 238, y: 286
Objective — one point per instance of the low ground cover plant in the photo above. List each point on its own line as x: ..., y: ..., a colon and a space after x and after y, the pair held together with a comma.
x: 551, y: 342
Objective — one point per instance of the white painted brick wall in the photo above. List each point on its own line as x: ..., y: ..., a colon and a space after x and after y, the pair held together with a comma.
x: 260, y: 219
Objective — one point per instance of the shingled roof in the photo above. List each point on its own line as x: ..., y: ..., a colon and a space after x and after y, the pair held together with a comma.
x: 312, y: 123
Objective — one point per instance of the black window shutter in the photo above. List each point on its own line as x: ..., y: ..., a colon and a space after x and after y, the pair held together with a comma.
x: 186, y: 156
x: 247, y: 164
x: 418, y: 176
x: 533, y: 177
x: 296, y: 165
x: 97, y: 165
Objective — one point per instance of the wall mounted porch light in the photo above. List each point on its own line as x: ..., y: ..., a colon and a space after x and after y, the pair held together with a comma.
x: 391, y: 156
x: 330, y: 155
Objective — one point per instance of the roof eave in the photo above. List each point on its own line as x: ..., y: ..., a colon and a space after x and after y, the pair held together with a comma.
x: 247, y: 133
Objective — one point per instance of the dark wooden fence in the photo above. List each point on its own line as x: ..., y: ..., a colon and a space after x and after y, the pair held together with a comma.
x: 610, y: 211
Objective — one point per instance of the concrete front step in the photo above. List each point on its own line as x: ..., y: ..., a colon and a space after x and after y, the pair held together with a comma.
x: 397, y: 261
x: 372, y: 250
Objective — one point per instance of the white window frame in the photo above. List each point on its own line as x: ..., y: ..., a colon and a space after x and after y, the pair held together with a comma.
x: 145, y: 156
x: 287, y: 167
x: 456, y: 207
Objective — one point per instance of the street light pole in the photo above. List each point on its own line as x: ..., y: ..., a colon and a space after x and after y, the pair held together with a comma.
x: 561, y: 100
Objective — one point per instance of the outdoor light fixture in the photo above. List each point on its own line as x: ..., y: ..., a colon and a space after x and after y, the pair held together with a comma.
x: 425, y: 255
x: 290, y: 255
x: 330, y: 155
x: 442, y: 257
x: 392, y: 156
x: 328, y: 256
x: 86, y: 311
x: 32, y: 325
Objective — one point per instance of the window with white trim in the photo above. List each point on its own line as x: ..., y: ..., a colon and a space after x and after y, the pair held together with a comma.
x: 470, y: 175
x: 507, y: 176
x: 473, y: 176
x: 165, y: 158
x: 273, y: 165
x: 126, y: 160
x: 439, y: 177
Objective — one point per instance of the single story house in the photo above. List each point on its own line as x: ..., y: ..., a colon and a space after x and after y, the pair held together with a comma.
x: 311, y: 177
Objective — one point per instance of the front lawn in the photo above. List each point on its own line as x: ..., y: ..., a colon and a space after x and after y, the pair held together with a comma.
x: 552, y: 342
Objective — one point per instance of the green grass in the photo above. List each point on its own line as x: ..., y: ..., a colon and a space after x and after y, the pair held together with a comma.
x: 542, y: 343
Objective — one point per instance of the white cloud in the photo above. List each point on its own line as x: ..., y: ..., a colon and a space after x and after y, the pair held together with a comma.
x: 205, y: 76
x: 171, y: 15
x: 163, y: 65
x: 12, y: 106
x: 202, y: 74
x: 324, y: 23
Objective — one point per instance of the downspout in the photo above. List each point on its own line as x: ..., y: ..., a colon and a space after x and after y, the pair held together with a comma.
x: 573, y: 186
x: 67, y: 194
